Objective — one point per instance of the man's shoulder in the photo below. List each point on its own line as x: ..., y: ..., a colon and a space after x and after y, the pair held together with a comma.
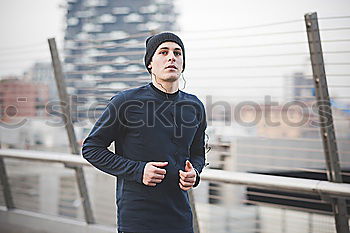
x: 128, y: 94
x: 191, y: 97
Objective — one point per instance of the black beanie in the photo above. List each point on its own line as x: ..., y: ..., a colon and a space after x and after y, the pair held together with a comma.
x: 154, y: 41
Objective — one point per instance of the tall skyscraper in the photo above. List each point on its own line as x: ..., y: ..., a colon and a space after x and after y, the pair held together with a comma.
x: 104, y: 44
x: 105, y: 39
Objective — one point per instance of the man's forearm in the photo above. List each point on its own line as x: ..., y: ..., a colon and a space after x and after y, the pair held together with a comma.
x: 113, y: 164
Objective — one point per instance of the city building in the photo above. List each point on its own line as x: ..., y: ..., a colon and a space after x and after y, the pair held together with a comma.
x: 299, y: 87
x: 19, y: 98
x: 42, y: 73
x: 104, y: 45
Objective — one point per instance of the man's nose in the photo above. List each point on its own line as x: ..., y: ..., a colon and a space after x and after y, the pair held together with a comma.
x: 171, y: 57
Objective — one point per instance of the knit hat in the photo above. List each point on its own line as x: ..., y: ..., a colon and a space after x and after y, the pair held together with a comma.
x: 154, y: 41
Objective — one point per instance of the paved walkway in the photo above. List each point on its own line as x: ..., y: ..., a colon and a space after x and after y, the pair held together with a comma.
x: 9, y: 228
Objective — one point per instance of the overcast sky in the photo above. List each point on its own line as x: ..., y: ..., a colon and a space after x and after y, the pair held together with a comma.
x: 25, y: 25
x: 220, y: 14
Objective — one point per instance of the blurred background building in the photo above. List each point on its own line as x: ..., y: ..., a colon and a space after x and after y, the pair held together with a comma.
x: 104, y: 43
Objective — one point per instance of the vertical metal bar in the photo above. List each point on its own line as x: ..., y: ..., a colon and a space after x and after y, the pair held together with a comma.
x: 310, y: 226
x: 65, y: 105
x: 283, y: 221
x: 194, y: 212
x: 257, y: 227
x: 6, y: 186
x: 326, y: 119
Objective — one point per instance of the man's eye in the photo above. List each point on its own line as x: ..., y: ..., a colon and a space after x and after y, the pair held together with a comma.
x: 163, y: 52
x: 177, y: 53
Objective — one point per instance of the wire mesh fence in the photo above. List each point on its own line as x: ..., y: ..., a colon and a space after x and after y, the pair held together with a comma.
x: 51, y: 189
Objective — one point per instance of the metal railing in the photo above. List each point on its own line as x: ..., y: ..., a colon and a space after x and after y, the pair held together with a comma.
x: 239, y: 178
x: 325, y: 189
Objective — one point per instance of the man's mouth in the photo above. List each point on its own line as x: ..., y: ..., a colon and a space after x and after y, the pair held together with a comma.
x: 171, y: 67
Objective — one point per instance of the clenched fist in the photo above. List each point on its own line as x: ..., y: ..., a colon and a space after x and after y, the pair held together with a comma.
x: 187, y: 177
x: 154, y: 173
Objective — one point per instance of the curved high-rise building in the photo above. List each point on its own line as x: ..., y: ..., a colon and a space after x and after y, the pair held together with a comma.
x: 104, y: 44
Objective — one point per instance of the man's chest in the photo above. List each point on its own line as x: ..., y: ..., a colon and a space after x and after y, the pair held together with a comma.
x: 163, y: 120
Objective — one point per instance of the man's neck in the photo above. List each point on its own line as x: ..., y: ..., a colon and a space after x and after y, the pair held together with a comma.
x: 168, y: 87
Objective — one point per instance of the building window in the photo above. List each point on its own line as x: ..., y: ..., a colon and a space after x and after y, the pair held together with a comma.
x: 133, y: 18
x: 149, y: 26
x: 83, y: 36
x: 118, y: 35
x: 133, y: 68
x: 120, y: 60
x: 107, y: 18
x: 148, y: 9
x: 161, y: 18
x: 84, y: 14
x: 73, y: 21
x: 89, y: 27
x: 121, y: 10
x: 106, y: 69
x: 93, y: 3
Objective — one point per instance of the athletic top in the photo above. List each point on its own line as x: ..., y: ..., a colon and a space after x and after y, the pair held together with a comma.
x: 146, y: 125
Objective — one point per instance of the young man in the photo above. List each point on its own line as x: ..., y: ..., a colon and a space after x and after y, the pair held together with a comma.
x: 158, y: 132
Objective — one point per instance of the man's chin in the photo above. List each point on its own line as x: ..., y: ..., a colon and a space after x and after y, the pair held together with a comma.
x: 171, y: 78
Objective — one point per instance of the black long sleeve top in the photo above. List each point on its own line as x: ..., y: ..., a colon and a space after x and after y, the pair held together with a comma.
x: 146, y: 125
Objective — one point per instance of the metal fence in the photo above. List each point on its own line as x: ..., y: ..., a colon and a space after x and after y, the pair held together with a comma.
x: 53, y: 191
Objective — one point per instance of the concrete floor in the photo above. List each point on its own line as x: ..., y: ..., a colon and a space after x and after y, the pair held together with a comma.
x: 10, y: 228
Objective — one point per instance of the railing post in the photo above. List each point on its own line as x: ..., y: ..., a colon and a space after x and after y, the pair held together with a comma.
x: 65, y: 106
x: 194, y: 211
x: 6, y: 186
x: 326, y: 119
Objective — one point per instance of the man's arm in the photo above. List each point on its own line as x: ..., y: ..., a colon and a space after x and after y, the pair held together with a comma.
x: 197, y: 150
x: 107, y: 129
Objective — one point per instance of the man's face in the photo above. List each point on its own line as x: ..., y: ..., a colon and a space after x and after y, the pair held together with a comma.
x: 167, y: 62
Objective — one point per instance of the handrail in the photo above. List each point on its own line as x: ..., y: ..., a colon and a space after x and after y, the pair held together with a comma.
x: 44, y: 156
x: 309, y: 186
x: 239, y: 178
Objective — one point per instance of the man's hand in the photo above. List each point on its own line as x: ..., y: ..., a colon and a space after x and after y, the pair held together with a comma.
x: 154, y: 173
x: 187, y: 177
